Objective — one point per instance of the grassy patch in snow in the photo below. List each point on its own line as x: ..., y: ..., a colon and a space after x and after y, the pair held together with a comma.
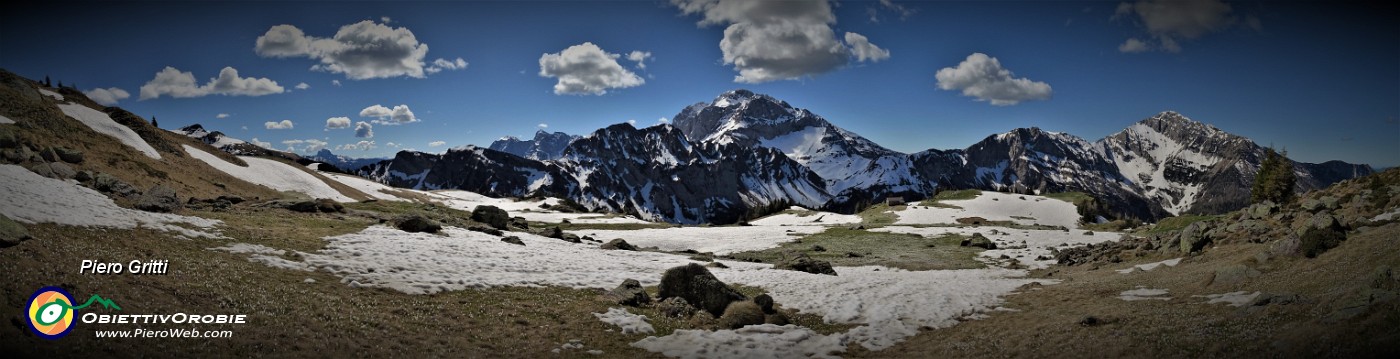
x: 878, y: 215
x: 958, y: 195
x: 852, y: 248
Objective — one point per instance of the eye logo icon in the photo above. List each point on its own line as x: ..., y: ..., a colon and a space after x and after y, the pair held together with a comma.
x: 51, y: 311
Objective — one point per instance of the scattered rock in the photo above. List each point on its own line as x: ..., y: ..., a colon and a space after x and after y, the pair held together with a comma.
x: 740, y: 314
x: 11, y: 232
x: 978, y: 240
x: 765, y: 302
x: 854, y: 255
x: 675, y: 307
x: 716, y: 265
x: 618, y: 244
x: 1310, y: 205
x: 976, y: 221
x: 1289, y: 246
x: 485, y: 229
x: 8, y: 138
x: 158, y: 199
x: 1089, y: 321
x: 1233, y: 275
x: 417, y: 224
x: 300, y: 206
x: 83, y: 176
x: 818, y: 248
x: 1194, y: 237
x: 629, y: 293
x: 1323, y: 220
x: 701, y: 319
x: 68, y: 155
x: 1261, y: 210
x: 858, y: 227
x: 326, y: 205
x: 1329, y: 202
x: 513, y: 240
x: 491, y: 215
x: 696, y: 285
x: 777, y: 318
x: 1088, y: 233
x: 519, y: 222
x: 54, y: 170
x: 107, y: 183
x: 803, y: 263
x: 231, y: 199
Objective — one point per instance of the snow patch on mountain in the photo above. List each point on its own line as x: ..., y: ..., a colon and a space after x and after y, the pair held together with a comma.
x: 31, y: 198
x: 273, y: 174
x: 102, y: 123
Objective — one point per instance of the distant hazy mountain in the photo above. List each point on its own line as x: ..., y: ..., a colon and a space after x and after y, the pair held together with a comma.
x: 223, y: 142
x: 348, y: 164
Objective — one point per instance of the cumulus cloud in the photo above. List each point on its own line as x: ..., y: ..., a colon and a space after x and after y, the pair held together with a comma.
x: 663, y: 120
x: 864, y: 50
x: 887, y: 5
x: 1169, y: 21
x: 303, y: 86
x: 337, y: 123
x: 362, y: 146
x: 283, y: 125
x: 389, y: 116
x: 363, y: 50
x: 1133, y: 46
x: 437, y: 143
x: 263, y: 144
x: 221, y: 116
x: 443, y: 64
x: 777, y: 40
x: 335, y: 82
x: 586, y: 69
x: 305, y: 146
x: 542, y: 126
x: 632, y: 122
x: 179, y: 84
x: 108, y: 96
x: 639, y: 57
x: 391, y: 144
x: 983, y: 77
x: 364, y: 130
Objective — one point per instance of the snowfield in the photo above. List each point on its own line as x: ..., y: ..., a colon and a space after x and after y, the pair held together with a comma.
x: 273, y: 174
x: 995, y: 206
x: 806, y: 217
x: 100, y: 122
x: 891, y: 304
x: 630, y: 323
x: 1009, y: 241
x: 720, y: 240
x: 529, y: 209
x: 48, y: 93
x: 30, y: 198
x: 1234, y: 299
x: 371, y: 188
x: 6, y: 120
x: 1150, y: 266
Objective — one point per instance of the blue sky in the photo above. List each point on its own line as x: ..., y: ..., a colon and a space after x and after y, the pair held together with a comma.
x: 1320, y: 79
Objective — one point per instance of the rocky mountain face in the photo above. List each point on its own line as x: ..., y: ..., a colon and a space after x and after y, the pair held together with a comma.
x: 544, y: 147
x: 853, y: 168
x: 348, y: 164
x: 724, y: 159
x: 223, y: 142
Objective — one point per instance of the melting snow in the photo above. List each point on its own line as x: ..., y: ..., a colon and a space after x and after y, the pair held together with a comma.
x: 6, y: 120
x: 30, y: 198
x: 720, y: 240
x: 630, y: 323
x: 1025, y: 246
x: 1387, y: 215
x: 48, y: 93
x: 100, y: 122
x: 798, y: 216
x: 371, y: 188
x: 1234, y: 299
x: 996, y: 206
x: 1151, y: 266
x: 1142, y: 293
x: 273, y: 174
x: 754, y: 341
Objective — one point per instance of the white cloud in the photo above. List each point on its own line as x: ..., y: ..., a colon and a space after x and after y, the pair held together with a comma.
x: 442, y: 64
x: 385, y: 19
x: 175, y: 83
x: 307, y: 145
x: 542, y: 126
x: 245, y: 128
x: 108, y: 96
x: 1133, y: 46
x: 362, y: 146
x: 437, y: 143
x: 663, y: 120
x: 774, y: 40
x: 639, y: 57
x: 864, y: 50
x: 586, y: 69
x: 983, y: 77
x: 1169, y: 21
x: 391, y: 144
x: 386, y: 116
x: 283, y: 125
x: 363, y: 50
x: 221, y: 116
x: 337, y: 123
x: 263, y: 144
x: 632, y: 122
x: 303, y: 86
x: 335, y: 82
x: 364, y: 130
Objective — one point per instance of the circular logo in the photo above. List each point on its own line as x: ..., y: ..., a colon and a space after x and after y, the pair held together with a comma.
x: 51, y: 312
